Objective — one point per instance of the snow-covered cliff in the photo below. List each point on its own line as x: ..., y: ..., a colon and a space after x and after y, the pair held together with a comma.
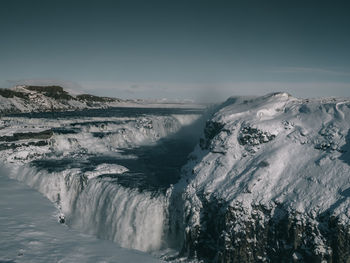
x: 269, y: 182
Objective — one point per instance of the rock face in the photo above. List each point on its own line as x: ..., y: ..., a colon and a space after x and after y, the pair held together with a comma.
x: 269, y: 182
x: 48, y: 98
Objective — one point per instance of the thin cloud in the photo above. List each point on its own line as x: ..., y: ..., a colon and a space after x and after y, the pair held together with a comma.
x: 310, y: 70
x: 204, y: 92
x: 130, y: 92
x: 134, y: 86
x: 216, y: 92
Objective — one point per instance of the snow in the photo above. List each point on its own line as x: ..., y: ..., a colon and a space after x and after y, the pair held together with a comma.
x: 302, y: 166
x: 30, y: 232
x: 106, y: 169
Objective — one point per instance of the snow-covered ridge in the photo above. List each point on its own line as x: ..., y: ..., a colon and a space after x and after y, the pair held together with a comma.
x: 264, y: 162
x: 49, y: 98
x: 292, y: 150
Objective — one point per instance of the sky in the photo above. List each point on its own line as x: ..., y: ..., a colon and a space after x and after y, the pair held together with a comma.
x: 195, y: 49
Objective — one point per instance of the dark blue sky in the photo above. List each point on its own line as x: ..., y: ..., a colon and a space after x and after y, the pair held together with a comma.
x: 203, y: 50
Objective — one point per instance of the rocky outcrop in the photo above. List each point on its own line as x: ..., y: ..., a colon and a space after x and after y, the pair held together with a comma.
x: 228, y: 234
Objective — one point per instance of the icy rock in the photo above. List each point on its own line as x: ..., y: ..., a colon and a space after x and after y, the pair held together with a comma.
x: 211, y: 130
x: 254, y: 136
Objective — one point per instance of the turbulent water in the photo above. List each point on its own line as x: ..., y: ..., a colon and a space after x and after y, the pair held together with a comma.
x: 108, y: 171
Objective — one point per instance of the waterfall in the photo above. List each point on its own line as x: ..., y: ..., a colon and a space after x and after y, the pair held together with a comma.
x: 131, y: 218
x: 92, y: 169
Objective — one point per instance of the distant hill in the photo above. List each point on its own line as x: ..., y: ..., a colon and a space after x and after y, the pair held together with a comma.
x: 49, y: 98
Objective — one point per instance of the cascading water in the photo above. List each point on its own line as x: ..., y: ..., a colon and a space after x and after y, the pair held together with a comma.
x: 101, y: 207
x: 126, y: 216
x: 108, y: 176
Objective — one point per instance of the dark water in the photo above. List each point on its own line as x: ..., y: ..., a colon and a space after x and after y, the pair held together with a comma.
x: 155, y: 168
x: 110, y: 112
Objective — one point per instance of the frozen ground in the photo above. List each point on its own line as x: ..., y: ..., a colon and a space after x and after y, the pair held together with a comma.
x: 30, y: 232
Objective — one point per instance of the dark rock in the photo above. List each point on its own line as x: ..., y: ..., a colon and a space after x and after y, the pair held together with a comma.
x: 61, y: 219
x: 27, y: 135
x: 223, y: 236
x: 210, y: 131
x: 254, y: 136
